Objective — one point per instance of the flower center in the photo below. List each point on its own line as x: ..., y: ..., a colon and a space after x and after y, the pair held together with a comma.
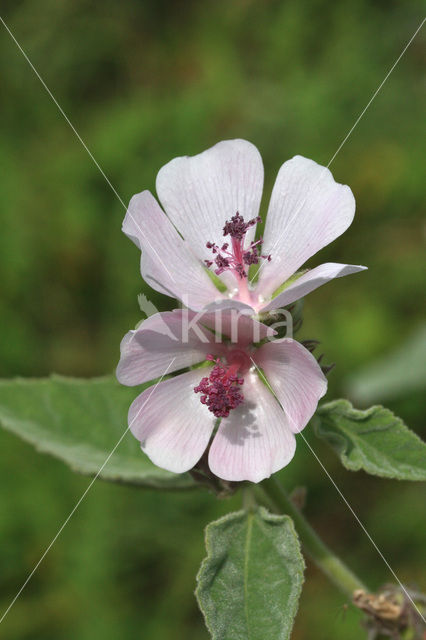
x: 232, y: 256
x: 220, y: 391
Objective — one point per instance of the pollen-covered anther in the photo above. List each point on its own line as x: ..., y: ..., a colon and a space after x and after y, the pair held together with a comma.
x: 220, y: 390
x: 236, y: 257
x: 252, y: 255
x: 236, y: 227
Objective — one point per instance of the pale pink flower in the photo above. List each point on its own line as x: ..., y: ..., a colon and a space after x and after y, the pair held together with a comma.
x: 212, y: 204
x: 176, y: 420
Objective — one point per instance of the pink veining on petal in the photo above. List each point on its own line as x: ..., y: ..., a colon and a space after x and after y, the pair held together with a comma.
x: 295, y: 377
x: 308, y: 209
x: 255, y: 436
x: 170, y: 423
x: 200, y: 192
x: 205, y: 197
x: 310, y: 281
x: 255, y: 440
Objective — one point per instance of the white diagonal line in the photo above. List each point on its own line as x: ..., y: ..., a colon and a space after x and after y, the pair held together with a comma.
x: 84, y: 494
x: 362, y: 527
x: 86, y: 148
x: 345, y: 139
x: 343, y: 498
x: 357, y: 121
x: 130, y: 215
x: 377, y: 90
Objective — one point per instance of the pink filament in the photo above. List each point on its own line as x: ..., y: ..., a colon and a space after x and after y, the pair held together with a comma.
x: 237, y: 258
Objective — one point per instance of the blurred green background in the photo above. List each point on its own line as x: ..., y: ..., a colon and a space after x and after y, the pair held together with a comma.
x: 143, y: 82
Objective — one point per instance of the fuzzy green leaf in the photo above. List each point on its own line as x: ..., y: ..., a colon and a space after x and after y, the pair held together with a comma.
x: 249, y: 584
x: 374, y: 440
x: 80, y: 421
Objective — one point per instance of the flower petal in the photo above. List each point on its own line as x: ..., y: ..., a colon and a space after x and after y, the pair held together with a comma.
x: 236, y: 324
x: 171, y: 424
x: 312, y: 280
x: 308, y: 210
x: 167, y: 262
x: 201, y: 192
x: 295, y: 377
x: 255, y: 440
x: 160, y: 339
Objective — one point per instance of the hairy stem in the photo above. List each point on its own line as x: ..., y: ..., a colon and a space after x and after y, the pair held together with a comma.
x: 272, y: 495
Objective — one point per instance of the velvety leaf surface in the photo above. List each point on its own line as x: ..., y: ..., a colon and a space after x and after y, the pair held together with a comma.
x: 80, y: 421
x: 249, y: 584
x: 374, y: 440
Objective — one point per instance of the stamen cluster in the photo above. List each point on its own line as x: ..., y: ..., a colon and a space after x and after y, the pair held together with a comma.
x: 236, y: 259
x: 220, y: 390
x: 236, y: 227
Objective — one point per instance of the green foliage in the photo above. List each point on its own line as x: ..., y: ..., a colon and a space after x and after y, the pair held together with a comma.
x: 374, y: 440
x: 395, y: 374
x: 146, y: 82
x: 81, y: 422
x: 249, y: 584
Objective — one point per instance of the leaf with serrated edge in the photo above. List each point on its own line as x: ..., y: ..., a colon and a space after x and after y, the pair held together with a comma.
x: 374, y: 440
x: 250, y: 582
x: 80, y: 421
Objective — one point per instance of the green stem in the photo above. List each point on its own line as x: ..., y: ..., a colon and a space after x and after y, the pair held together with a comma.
x: 272, y: 495
x: 249, y: 499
